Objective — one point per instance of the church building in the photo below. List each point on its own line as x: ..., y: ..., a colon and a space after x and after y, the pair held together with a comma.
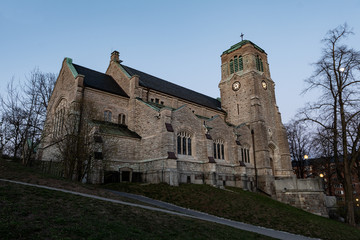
x: 146, y: 129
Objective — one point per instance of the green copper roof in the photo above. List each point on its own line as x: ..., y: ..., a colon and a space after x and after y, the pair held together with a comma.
x: 115, y: 129
x: 240, y: 44
x: 71, y: 67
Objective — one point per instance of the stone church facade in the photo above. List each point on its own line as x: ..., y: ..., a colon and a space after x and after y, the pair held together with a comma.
x: 162, y: 132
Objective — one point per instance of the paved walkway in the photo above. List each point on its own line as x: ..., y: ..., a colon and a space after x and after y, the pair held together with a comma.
x: 179, y: 211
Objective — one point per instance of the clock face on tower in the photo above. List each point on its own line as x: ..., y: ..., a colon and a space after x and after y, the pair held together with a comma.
x: 236, y: 86
x: 264, y: 85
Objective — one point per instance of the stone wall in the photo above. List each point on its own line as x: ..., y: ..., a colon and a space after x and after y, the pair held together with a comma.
x: 307, y: 194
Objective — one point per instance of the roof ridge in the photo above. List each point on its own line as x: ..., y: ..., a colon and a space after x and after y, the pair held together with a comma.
x: 91, y: 69
x: 165, y: 81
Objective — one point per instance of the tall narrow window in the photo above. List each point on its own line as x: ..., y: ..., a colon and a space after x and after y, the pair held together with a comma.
x: 214, y: 149
x: 259, y: 64
x: 219, y: 150
x: 122, y: 119
x: 107, y: 116
x: 59, y: 121
x: 222, y: 151
x: 184, y: 145
x: 189, y: 146
x: 245, y: 155
x: 236, y: 63
x: 179, y: 144
x: 231, y: 66
x: 241, y: 65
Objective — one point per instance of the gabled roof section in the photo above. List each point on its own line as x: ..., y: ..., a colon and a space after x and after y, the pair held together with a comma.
x: 240, y: 44
x: 116, y: 129
x: 160, y: 85
x: 100, y: 81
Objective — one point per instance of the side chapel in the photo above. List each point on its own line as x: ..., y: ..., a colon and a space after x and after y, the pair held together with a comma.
x: 167, y: 133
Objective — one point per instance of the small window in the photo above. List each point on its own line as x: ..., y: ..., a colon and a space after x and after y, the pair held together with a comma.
x: 122, y: 119
x: 162, y: 103
x: 245, y: 155
x: 156, y: 100
x: 107, y: 116
x: 152, y: 100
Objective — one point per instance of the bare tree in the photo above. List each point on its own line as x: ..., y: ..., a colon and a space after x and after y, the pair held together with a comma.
x: 14, y: 118
x: 4, y: 136
x: 37, y: 92
x: 23, y: 112
x: 73, y: 136
x: 337, y: 109
x: 300, y: 143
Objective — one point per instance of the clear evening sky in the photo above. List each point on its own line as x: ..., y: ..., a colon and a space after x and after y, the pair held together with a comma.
x: 177, y: 40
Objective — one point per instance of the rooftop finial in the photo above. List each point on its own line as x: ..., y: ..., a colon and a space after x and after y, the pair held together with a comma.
x: 242, y: 36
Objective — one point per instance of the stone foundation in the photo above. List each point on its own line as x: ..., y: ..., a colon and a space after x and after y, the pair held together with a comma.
x: 306, y: 194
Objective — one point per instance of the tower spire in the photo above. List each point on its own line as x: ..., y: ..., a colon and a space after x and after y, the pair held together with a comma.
x: 242, y: 36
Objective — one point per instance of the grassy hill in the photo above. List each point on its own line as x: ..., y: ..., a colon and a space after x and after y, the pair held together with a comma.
x: 30, y: 213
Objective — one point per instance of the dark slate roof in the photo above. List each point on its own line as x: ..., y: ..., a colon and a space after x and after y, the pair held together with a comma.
x: 100, y: 81
x: 160, y: 85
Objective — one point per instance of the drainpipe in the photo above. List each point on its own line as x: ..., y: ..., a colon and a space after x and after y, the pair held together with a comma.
x: 256, y: 174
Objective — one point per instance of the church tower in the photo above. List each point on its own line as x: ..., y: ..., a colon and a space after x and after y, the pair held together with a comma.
x: 248, y: 96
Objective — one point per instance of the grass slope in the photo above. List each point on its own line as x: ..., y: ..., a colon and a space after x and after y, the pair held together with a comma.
x: 244, y: 206
x: 34, y: 213
x: 30, y: 213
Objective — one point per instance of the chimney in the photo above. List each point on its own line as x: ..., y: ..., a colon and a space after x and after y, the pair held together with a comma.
x: 115, y: 57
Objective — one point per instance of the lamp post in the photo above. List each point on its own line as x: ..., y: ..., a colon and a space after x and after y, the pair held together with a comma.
x: 304, y: 165
x: 321, y: 175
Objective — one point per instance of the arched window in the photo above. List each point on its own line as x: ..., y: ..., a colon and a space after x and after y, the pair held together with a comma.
x: 59, y: 119
x: 219, y: 151
x: 241, y: 65
x: 245, y: 155
x: 107, y: 116
x: 236, y: 63
x: 259, y: 64
x: 122, y: 119
x: 184, y: 143
x: 231, y: 66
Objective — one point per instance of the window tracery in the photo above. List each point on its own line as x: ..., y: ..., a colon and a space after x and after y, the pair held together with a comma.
x: 219, y: 150
x: 184, y: 144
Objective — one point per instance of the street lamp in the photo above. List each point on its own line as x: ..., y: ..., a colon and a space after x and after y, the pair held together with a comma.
x: 342, y: 69
x: 321, y: 175
x: 305, y: 165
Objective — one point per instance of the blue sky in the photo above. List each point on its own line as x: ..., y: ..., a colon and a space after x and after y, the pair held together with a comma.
x: 179, y: 41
